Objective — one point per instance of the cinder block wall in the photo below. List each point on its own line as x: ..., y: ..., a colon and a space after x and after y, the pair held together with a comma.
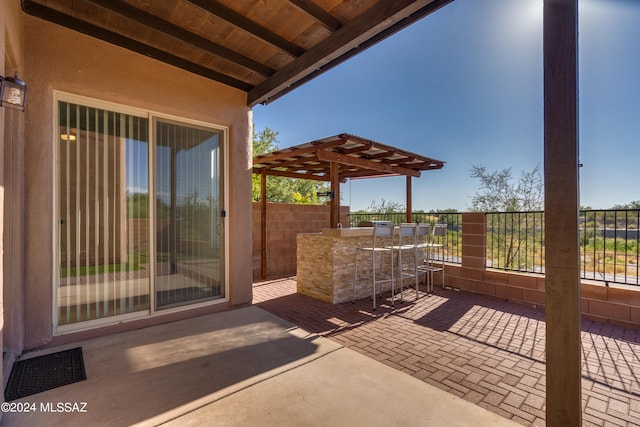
x: 284, y: 222
x: 616, y: 304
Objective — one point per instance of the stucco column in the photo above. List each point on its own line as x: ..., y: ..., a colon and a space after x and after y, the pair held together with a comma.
x: 562, y: 262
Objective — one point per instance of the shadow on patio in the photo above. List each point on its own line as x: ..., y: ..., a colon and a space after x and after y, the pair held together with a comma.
x: 485, y: 350
x: 151, y: 375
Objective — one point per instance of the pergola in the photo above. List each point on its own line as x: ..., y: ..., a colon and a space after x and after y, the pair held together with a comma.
x: 336, y: 158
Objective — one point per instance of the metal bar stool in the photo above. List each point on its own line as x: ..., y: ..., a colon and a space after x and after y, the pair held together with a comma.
x: 434, y: 255
x: 406, y: 258
x: 377, y: 252
x: 421, y: 253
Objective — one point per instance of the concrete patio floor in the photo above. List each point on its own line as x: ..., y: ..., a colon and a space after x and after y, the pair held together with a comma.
x: 487, y: 351
x: 243, y: 367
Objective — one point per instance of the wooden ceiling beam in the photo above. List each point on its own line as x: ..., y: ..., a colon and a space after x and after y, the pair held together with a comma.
x: 374, y: 25
x: 158, y: 24
x: 248, y: 26
x: 319, y: 14
x: 84, y: 27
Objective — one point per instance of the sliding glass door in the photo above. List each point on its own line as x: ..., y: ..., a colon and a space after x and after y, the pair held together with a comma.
x: 119, y: 253
x: 188, y: 214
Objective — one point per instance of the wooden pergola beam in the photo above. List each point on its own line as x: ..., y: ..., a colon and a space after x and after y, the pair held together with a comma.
x: 366, y: 164
x: 298, y: 153
x: 297, y: 175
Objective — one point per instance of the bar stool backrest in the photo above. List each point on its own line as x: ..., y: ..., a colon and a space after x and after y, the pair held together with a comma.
x: 407, y: 229
x: 382, y: 228
x: 440, y: 229
x: 423, y: 233
x: 439, y: 234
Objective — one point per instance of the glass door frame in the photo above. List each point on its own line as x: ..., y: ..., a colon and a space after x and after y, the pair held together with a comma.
x: 152, y: 117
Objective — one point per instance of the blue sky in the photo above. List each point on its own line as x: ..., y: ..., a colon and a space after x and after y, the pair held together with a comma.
x: 465, y: 85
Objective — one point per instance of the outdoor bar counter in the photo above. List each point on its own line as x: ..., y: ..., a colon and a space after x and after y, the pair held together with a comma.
x: 326, y: 263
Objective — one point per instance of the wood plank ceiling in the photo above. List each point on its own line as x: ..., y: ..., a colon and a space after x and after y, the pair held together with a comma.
x: 263, y: 47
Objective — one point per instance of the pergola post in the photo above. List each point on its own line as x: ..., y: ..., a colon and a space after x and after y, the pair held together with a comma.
x: 561, y: 179
x: 334, y: 216
x: 263, y: 224
x: 409, y: 199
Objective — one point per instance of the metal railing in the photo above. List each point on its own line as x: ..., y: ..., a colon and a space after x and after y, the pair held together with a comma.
x: 453, y: 245
x: 609, y: 243
x: 515, y: 241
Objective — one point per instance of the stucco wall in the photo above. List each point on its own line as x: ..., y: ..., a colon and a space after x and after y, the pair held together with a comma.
x: 60, y: 59
x: 11, y: 187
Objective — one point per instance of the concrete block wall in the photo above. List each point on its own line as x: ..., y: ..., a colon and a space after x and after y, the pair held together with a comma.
x: 284, y: 222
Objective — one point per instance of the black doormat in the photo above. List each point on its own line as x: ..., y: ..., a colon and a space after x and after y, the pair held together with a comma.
x: 38, y: 374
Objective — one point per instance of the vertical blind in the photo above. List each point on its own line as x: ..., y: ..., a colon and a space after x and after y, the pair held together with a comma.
x: 106, y: 221
x: 103, y: 215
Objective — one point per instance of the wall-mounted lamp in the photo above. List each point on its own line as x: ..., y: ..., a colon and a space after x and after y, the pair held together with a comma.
x: 13, y: 93
x: 328, y: 194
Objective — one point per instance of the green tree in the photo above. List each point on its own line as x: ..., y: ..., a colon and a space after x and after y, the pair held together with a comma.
x: 282, y: 189
x: 628, y: 219
x: 513, y: 227
x: 631, y: 205
x: 498, y: 192
x: 385, y: 206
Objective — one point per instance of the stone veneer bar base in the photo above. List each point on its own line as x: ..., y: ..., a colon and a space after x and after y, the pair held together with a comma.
x: 326, y: 264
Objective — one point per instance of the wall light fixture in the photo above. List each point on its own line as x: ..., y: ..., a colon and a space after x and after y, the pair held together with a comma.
x: 13, y: 93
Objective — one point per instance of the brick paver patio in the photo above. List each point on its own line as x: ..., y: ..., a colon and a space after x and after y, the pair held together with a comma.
x: 485, y: 350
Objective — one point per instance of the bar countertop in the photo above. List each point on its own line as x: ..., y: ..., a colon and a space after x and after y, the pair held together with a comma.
x: 348, y: 232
